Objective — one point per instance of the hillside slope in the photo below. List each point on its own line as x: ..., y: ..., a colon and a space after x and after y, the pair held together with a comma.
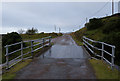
x: 105, y: 29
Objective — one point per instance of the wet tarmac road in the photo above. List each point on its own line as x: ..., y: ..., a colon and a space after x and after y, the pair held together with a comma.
x: 64, y: 47
x: 64, y: 60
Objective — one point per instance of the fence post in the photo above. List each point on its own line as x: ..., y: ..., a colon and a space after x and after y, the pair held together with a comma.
x: 32, y: 48
x: 43, y: 42
x: 102, y: 51
x: 83, y: 40
x: 49, y: 41
x: 7, y: 57
x: 22, y: 50
x: 112, y: 58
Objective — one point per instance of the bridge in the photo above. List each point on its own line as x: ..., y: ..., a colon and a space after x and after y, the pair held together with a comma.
x: 64, y: 60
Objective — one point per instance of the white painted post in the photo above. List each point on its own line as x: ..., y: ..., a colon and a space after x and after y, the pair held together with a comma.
x: 49, y: 41
x: 32, y: 48
x: 112, y: 58
x: 102, y: 51
x: 7, y: 58
x: 22, y: 50
x: 40, y: 42
x: 43, y: 42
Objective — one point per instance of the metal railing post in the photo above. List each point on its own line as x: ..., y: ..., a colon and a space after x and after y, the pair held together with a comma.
x: 7, y: 57
x: 32, y: 48
x: 86, y: 43
x: 40, y: 42
x: 112, y: 58
x: 43, y: 42
x: 102, y: 51
x: 22, y: 50
x: 49, y: 41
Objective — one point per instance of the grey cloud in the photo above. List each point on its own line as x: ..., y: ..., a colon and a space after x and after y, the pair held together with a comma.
x: 43, y: 15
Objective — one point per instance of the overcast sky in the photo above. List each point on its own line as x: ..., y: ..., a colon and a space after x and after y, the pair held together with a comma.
x: 44, y: 15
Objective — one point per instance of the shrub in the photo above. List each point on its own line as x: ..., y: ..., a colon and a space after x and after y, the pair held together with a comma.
x: 94, y: 24
x: 112, y: 25
x: 10, y: 38
x: 42, y: 33
x: 53, y: 34
x: 60, y: 34
x: 31, y: 31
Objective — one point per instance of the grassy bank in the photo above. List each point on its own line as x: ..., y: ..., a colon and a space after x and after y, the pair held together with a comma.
x: 104, y: 29
x: 79, y: 43
x: 77, y: 36
x: 103, y: 71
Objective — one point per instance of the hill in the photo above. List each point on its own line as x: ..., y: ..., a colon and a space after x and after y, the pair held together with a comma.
x: 106, y: 29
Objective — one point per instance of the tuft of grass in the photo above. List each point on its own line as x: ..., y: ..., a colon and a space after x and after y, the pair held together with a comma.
x: 11, y: 73
x: 103, y: 71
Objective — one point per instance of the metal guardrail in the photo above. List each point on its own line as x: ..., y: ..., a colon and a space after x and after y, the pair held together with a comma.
x: 42, y: 42
x: 87, y: 44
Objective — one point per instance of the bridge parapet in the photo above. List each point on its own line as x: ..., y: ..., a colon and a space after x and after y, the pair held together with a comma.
x: 90, y: 45
x: 40, y: 43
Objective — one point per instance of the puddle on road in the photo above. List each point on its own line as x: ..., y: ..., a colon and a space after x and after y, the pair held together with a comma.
x: 64, y: 60
x: 64, y: 51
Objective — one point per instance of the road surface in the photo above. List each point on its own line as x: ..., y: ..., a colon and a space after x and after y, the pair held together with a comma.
x: 64, y: 60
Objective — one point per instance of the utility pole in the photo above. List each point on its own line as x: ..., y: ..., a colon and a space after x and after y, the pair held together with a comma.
x: 86, y: 19
x: 59, y: 30
x: 119, y: 7
x: 112, y: 7
x: 55, y: 27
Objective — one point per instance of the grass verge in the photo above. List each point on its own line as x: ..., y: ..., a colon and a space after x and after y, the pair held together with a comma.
x: 11, y: 73
x: 103, y: 71
x: 79, y: 43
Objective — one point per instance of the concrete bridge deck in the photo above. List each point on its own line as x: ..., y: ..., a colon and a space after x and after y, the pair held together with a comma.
x: 64, y: 60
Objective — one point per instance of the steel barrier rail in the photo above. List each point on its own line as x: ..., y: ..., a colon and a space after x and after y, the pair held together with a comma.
x: 87, y: 44
x: 42, y: 42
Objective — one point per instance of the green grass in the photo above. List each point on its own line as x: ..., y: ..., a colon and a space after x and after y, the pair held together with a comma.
x: 11, y: 73
x: 39, y: 35
x: 79, y: 43
x: 95, y: 34
x: 77, y: 36
x: 103, y: 71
